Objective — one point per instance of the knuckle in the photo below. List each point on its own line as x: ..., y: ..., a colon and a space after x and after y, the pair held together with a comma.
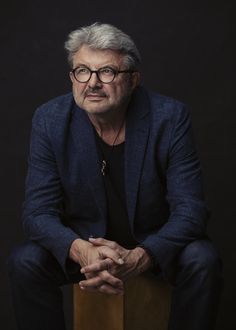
x: 113, y: 245
x: 96, y: 266
x: 102, y: 288
x: 99, y: 240
x: 106, y: 289
x: 104, y: 275
x: 109, y: 263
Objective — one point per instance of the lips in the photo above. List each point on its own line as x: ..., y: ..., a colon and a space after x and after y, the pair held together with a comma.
x: 91, y: 97
x: 95, y: 95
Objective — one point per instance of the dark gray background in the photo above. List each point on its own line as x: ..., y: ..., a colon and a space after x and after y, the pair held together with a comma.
x: 188, y: 53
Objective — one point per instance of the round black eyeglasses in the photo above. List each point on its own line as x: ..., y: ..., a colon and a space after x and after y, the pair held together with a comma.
x: 104, y: 75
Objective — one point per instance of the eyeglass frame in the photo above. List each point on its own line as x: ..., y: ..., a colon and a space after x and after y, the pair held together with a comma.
x: 115, y: 72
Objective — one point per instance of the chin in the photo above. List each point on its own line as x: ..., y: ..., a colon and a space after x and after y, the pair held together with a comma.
x: 97, y: 110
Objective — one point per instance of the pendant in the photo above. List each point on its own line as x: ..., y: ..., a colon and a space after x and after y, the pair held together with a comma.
x: 103, y: 169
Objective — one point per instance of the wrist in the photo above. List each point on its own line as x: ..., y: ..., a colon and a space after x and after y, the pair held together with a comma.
x: 144, y: 258
x: 148, y: 254
x: 77, y: 246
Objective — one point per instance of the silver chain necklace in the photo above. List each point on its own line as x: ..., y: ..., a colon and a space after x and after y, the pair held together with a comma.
x: 104, y: 165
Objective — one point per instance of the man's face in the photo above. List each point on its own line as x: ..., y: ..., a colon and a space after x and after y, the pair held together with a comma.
x: 94, y: 96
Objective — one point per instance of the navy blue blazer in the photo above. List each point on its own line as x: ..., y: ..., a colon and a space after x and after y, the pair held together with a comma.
x: 65, y: 197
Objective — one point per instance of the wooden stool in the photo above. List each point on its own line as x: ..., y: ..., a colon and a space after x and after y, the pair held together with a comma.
x: 144, y: 306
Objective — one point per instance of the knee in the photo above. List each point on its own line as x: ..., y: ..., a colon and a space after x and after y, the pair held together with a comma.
x: 22, y: 261
x: 201, y: 256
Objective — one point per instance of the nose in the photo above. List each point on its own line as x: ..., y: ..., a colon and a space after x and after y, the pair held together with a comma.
x: 94, y: 81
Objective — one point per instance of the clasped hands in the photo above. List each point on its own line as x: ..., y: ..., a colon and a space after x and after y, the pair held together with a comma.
x: 106, y: 264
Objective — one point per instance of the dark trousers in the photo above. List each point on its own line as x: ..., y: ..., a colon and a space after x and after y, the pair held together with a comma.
x: 36, y: 278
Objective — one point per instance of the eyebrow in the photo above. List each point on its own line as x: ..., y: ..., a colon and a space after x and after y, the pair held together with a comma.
x: 112, y: 66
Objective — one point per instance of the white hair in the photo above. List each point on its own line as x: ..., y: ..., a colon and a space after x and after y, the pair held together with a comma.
x: 103, y: 36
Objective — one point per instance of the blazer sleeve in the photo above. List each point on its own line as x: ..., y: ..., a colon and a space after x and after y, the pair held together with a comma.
x: 43, y: 206
x: 188, y: 213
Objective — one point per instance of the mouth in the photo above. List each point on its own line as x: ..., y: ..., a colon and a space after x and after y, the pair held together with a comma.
x: 95, y: 96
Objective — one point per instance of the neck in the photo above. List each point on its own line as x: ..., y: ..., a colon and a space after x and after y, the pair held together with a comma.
x: 109, y: 124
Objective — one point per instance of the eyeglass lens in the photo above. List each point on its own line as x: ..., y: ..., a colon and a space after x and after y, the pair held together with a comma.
x: 105, y: 75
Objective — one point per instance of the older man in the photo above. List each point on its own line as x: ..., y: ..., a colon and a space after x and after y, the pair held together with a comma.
x: 113, y: 190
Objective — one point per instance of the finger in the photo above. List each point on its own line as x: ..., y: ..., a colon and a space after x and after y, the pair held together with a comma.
x: 98, y: 266
x: 102, y: 241
x: 116, y: 248
x: 106, y: 252
x: 91, y: 283
x: 104, y: 288
x: 90, y: 289
x: 110, y: 279
x: 108, y: 289
x: 102, y: 278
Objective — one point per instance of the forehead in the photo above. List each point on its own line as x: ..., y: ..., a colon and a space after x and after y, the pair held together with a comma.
x: 96, y: 58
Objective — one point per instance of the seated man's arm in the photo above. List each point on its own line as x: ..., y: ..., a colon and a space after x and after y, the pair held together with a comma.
x: 43, y: 208
x: 188, y: 213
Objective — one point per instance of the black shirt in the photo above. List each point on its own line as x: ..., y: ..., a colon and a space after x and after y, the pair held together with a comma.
x: 118, y: 227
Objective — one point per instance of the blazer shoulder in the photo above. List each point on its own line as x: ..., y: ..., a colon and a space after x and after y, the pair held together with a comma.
x: 59, y: 106
x: 55, y: 111
x: 166, y: 106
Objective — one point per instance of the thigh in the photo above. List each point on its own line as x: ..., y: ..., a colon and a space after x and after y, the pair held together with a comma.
x: 199, y: 256
x: 30, y: 261
x: 201, y: 253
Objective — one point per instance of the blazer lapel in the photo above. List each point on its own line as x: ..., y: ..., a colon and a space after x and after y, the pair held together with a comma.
x: 137, y: 132
x: 83, y: 135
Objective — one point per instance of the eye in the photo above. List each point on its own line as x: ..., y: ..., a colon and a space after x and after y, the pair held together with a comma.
x: 107, y: 71
x: 82, y: 71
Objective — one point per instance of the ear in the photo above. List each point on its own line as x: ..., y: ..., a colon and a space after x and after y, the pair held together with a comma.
x: 71, y: 77
x: 135, y: 79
